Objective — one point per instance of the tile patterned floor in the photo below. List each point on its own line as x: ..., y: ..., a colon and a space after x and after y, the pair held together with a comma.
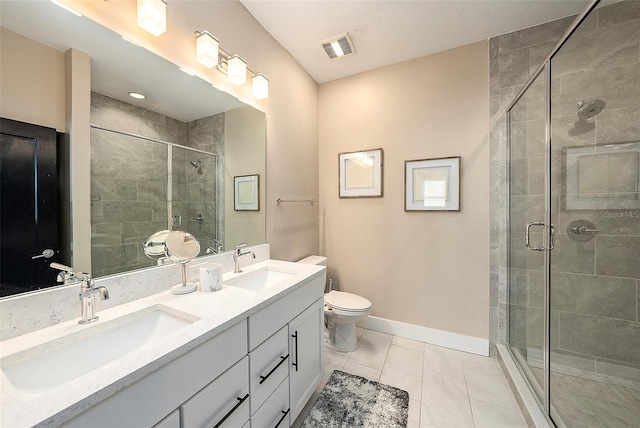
x: 446, y: 388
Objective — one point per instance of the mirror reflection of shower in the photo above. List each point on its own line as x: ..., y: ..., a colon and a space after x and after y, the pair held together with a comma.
x: 197, y: 164
x: 586, y: 110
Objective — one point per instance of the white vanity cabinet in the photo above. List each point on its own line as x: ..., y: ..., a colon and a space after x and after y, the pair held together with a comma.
x: 259, y: 373
x: 149, y: 400
x: 297, y: 318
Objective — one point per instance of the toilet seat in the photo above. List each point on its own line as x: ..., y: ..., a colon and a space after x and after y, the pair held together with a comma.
x: 347, y: 302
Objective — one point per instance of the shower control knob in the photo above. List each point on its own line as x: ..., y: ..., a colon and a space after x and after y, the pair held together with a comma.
x: 582, y: 230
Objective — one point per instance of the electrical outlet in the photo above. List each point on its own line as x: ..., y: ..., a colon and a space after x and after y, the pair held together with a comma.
x: 194, y: 272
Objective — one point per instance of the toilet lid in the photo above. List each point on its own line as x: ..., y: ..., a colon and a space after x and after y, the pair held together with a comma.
x: 346, y: 301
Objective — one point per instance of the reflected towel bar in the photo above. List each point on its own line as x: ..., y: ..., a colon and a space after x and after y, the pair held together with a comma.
x: 311, y: 201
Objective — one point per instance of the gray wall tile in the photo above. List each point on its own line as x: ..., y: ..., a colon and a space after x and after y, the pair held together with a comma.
x: 618, y: 256
x: 594, y: 295
x: 602, y: 337
x: 615, y: 14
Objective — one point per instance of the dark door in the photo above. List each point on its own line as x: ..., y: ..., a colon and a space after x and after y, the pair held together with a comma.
x: 28, y: 206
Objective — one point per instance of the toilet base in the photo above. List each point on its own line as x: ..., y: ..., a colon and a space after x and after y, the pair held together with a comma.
x: 342, y: 337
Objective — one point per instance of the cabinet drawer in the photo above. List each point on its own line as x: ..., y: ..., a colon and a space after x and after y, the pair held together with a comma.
x: 275, y: 411
x: 269, y: 366
x: 224, y: 402
x: 269, y: 320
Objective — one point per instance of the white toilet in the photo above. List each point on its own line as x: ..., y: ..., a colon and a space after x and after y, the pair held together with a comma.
x: 342, y: 311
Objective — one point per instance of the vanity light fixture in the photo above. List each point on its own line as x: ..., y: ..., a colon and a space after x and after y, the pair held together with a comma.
x: 152, y: 16
x: 209, y: 53
x: 137, y: 96
x: 67, y: 8
x: 338, y: 46
x: 260, y: 86
x: 207, y: 49
x: 237, y: 70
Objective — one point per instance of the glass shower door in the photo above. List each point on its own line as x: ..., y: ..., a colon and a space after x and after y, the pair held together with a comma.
x: 595, y: 265
x: 526, y: 126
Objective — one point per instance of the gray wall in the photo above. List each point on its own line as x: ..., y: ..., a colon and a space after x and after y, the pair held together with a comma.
x: 595, y: 283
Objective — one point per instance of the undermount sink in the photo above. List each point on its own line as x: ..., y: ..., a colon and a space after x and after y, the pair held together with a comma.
x: 259, y: 279
x: 61, y: 360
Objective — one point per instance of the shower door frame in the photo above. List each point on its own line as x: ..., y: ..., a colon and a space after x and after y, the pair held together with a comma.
x: 543, y: 68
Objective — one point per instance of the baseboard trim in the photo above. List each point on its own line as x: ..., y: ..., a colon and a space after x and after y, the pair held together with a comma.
x: 433, y: 336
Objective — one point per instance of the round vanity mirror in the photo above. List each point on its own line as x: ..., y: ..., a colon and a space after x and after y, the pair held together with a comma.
x: 154, y: 247
x: 181, y: 247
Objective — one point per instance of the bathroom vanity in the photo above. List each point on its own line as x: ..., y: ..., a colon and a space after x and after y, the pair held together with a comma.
x: 249, y: 354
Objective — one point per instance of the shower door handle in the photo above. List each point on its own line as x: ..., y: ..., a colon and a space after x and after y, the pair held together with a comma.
x: 551, y: 239
x: 526, y: 236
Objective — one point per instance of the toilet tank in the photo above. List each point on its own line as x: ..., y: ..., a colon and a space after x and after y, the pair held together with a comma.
x: 314, y: 260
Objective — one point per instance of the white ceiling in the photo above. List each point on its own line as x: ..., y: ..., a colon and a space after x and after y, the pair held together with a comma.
x: 387, y: 32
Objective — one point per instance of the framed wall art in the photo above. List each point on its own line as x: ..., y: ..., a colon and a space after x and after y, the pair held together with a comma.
x: 246, y: 192
x: 432, y: 184
x: 360, y: 174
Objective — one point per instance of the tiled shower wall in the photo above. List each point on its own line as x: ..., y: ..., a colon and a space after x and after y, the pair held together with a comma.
x: 128, y: 175
x: 205, y: 186
x: 596, y: 283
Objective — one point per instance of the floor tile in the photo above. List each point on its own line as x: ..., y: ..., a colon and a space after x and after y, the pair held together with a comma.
x: 407, y: 343
x: 412, y: 383
x: 447, y: 388
x: 372, y: 350
x: 443, y: 360
x: 403, y: 369
x: 360, y: 370
x: 334, y: 360
x: 487, y: 415
x: 414, y: 414
x: 445, y: 402
x: 490, y: 388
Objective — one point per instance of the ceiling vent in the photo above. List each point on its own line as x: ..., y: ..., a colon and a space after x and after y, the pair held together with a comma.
x: 338, y: 46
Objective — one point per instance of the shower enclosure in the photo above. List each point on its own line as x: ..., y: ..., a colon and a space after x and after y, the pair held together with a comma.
x: 574, y: 222
x: 139, y: 186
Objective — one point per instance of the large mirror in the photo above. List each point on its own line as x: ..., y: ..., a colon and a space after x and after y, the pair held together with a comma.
x: 167, y: 161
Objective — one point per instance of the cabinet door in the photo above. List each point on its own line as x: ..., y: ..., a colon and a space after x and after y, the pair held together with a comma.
x: 307, y: 356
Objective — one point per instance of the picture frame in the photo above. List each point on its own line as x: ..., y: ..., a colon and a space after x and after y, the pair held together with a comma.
x: 360, y: 174
x: 246, y: 191
x: 432, y: 184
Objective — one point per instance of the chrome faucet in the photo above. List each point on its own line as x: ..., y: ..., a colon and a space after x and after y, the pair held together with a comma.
x: 237, y: 253
x: 219, y: 248
x: 87, y: 290
x: 88, y: 299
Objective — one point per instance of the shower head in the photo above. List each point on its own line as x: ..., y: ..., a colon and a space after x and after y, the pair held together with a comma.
x: 196, y: 163
x: 589, y: 109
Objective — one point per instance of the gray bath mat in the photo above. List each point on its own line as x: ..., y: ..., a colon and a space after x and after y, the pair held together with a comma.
x: 350, y: 401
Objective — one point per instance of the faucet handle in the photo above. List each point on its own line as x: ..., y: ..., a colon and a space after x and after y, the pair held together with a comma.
x: 244, y: 244
x: 104, y: 293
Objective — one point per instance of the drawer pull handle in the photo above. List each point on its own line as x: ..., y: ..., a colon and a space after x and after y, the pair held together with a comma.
x: 263, y: 378
x: 282, y: 418
x: 295, y: 336
x: 238, y: 404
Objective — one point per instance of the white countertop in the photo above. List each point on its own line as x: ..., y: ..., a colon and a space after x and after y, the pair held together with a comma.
x: 217, y: 311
